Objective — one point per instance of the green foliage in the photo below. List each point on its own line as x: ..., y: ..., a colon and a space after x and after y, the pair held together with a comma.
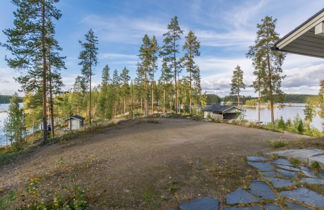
x: 88, y: 57
x: 278, y: 144
x: 213, y: 99
x: 169, y: 52
x: 14, y: 127
x: 5, y: 99
x: 281, y: 124
x: 237, y: 83
x: 267, y: 62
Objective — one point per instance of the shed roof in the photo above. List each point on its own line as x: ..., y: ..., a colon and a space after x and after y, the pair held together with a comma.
x: 78, y: 117
x: 219, y: 108
x: 303, y: 40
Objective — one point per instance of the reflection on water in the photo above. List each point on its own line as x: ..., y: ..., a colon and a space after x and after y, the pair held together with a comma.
x: 287, y: 112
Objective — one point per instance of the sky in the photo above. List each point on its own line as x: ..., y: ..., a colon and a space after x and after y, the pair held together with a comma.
x: 224, y: 28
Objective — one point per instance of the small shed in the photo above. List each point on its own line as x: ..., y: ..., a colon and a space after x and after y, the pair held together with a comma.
x: 75, y: 122
x: 221, y: 112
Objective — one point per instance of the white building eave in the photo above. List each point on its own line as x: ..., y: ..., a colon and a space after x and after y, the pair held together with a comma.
x: 303, y: 40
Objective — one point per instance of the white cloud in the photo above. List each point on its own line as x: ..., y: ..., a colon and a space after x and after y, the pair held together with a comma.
x: 117, y: 56
x: 124, y: 29
x: 8, y: 85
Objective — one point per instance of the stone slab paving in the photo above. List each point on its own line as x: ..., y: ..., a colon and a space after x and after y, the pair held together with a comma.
x: 268, y: 173
x: 282, y: 161
x: 272, y: 207
x: 256, y: 159
x: 306, y: 196
x: 240, y: 196
x: 262, y: 190
x: 290, y: 168
x: 306, y: 171
x: 312, y: 181
x: 296, y: 206
x: 269, y: 187
x: 244, y: 208
x: 201, y: 204
x: 280, y: 183
x: 262, y: 166
x: 308, y: 155
x: 286, y: 173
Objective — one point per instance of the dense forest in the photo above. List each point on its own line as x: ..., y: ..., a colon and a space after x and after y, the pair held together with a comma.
x: 5, y: 99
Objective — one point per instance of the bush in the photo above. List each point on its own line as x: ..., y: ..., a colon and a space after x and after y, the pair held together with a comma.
x: 281, y: 124
x: 278, y: 144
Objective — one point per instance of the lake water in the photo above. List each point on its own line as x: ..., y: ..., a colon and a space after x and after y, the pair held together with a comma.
x: 251, y: 114
x: 288, y: 112
x: 3, y: 117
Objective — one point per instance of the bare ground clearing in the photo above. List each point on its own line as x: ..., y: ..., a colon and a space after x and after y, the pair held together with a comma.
x: 146, y: 165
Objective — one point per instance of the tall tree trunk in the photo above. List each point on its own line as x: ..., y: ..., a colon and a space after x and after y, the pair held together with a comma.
x: 152, y: 97
x: 238, y: 100
x: 51, y: 102
x: 44, y: 75
x: 259, y: 106
x: 124, y: 105
x: 175, y: 77
x: 90, y: 105
x: 190, y: 92
x: 146, y: 95
x: 164, y: 102
x: 270, y: 90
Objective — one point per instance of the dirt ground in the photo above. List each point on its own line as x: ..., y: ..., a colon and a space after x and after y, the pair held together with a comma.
x: 146, y: 164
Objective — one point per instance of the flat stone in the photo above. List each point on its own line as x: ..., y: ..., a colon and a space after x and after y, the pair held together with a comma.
x: 244, y: 208
x: 290, y: 168
x: 240, y: 196
x: 282, y: 161
x: 272, y: 207
x: 256, y: 158
x: 268, y: 173
x: 312, y: 181
x: 306, y: 171
x: 306, y: 196
x: 262, y: 189
x: 287, y: 173
x: 280, y: 183
x: 200, y: 204
x: 307, y: 155
x: 261, y: 166
x: 295, y: 206
x: 317, y: 158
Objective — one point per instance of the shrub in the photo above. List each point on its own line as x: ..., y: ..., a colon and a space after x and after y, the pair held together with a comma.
x: 278, y: 144
x: 281, y: 124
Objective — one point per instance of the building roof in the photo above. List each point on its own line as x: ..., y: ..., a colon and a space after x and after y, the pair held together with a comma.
x: 303, y: 40
x: 219, y: 108
x: 78, y: 117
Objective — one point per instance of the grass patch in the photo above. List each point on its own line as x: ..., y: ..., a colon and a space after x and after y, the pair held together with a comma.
x: 278, y: 144
x: 8, y: 157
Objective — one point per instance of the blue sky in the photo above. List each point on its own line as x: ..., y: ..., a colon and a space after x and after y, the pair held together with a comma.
x: 224, y: 28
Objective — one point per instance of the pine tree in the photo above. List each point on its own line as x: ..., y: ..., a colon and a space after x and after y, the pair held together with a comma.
x: 169, y: 53
x: 88, y: 57
x: 191, y: 47
x: 103, y: 97
x: 14, y: 126
x: 267, y: 62
x: 165, y: 80
x: 55, y: 64
x: 125, y: 91
x: 145, y: 68
x: 28, y: 43
x: 115, y: 92
x: 154, y: 58
x: 237, y: 83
